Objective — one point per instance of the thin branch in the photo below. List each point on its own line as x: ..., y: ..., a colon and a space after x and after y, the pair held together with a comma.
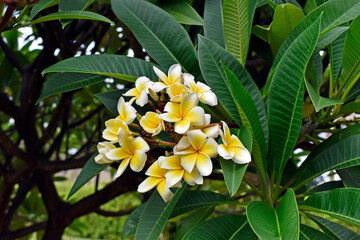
x: 113, y: 214
x: 24, y: 231
x: 11, y: 56
x: 7, y: 106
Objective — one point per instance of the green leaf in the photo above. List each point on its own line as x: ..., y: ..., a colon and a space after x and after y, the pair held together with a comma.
x: 261, y: 32
x: 238, y: 17
x: 350, y: 72
x: 334, y: 230
x: 110, y: 99
x: 339, y: 151
x: 155, y: 215
x: 182, y: 12
x: 233, y: 172
x: 330, y: 36
x: 280, y: 223
x: 351, y: 107
x: 64, y: 82
x: 41, y: 5
x: 190, y: 222
x: 116, y: 66
x: 166, y: 43
x: 132, y: 221
x: 343, y: 204
x: 327, y: 186
x: 70, y: 5
x: 319, y: 101
x: 335, y: 57
x: 90, y: 170
x: 285, y: 19
x: 213, y: 22
x: 285, y: 100
x: 309, y: 233
x: 234, y: 227
x: 68, y: 15
x: 210, y: 56
x: 350, y: 176
x: 345, y: 11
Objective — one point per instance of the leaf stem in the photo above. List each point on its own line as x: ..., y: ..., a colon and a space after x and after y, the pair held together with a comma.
x: 253, y: 187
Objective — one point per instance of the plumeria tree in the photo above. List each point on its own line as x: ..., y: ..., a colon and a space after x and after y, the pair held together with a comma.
x: 261, y: 96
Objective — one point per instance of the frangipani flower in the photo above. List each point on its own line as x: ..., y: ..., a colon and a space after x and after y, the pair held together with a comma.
x: 152, y: 123
x: 175, y: 172
x: 156, y: 179
x: 176, y: 92
x: 173, y: 77
x: 199, y: 152
x: 204, y: 92
x: 184, y: 114
x: 139, y: 93
x: 115, y: 129
x: 232, y: 148
x: 133, y: 151
x: 103, y: 148
x: 211, y: 131
x: 127, y: 113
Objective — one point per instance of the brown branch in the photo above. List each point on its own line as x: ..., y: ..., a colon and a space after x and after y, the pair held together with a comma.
x: 7, y: 106
x: 12, y: 148
x: 10, y: 55
x: 24, y: 231
x: 7, y: 16
x: 113, y: 214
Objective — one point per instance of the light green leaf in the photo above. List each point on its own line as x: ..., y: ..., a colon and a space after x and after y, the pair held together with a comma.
x: 345, y: 11
x: 350, y: 176
x: 182, y: 12
x: 238, y: 17
x: 233, y: 172
x: 285, y: 99
x: 192, y: 220
x: 116, y: 66
x: 319, y: 101
x: 309, y: 233
x: 155, y: 215
x: 210, y: 56
x: 229, y: 227
x: 213, y: 21
x: 335, y: 230
x: 162, y: 36
x: 132, y: 221
x: 330, y: 36
x: 90, y: 170
x: 339, y: 151
x: 68, y: 15
x: 350, y: 72
x: 343, y: 204
x: 286, y: 17
x: 272, y: 224
x: 64, y: 82
x: 41, y: 5
x: 261, y: 32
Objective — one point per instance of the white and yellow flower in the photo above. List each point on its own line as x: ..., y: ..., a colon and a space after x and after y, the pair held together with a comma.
x: 173, y: 77
x: 232, y: 148
x: 115, y: 129
x: 140, y: 92
x: 184, y: 114
x: 132, y: 150
x: 175, y: 172
x: 176, y: 92
x: 204, y: 92
x: 152, y: 123
x: 127, y: 113
x: 156, y: 179
x: 103, y: 148
x: 198, y: 153
x: 211, y: 131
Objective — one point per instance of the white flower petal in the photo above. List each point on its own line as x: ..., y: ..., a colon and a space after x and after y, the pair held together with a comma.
x: 148, y: 184
x: 204, y: 164
x: 122, y: 167
x: 143, y: 99
x: 160, y: 74
x: 224, y: 153
x: 242, y: 155
x: 209, y: 98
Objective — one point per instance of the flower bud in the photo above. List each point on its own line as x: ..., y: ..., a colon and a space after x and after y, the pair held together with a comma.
x: 153, y: 94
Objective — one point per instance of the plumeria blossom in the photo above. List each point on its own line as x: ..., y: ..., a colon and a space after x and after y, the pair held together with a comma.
x: 132, y: 150
x: 152, y: 123
x: 174, y: 76
x: 127, y: 113
x: 103, y: 148
x: 176, y: 92
x: 157, y: 178
x: 204, y: 92
x: 175, y: 172
x: 184, y: 114
x: 232, y: 148
x: 140, y: 92
x: 115, y: 129
x: 211, y: 131
x: 198, y: 153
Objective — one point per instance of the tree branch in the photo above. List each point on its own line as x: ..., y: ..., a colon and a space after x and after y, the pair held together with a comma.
x: 113, y: 214
x: 10, y: 55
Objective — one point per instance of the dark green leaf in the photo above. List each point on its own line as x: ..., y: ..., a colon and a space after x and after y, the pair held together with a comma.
x: 41, y: 5
x: 335, y: 56
x: 309, y: 233
x: 213, y: 22
x: 285, y: 100
x: 90, y: 170
x: 70, y: 5
x: 110, y: 99
x: 343, y: 204
x: 229, y: 227
x: 351, y: 107
x: 132, y: 221
x: 327, y: 186
x: 330, y: 36
x: 350, y: 176
x: 64, y: 82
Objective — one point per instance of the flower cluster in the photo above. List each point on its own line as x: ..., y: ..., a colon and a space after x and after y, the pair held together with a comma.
x: 176, y: 115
